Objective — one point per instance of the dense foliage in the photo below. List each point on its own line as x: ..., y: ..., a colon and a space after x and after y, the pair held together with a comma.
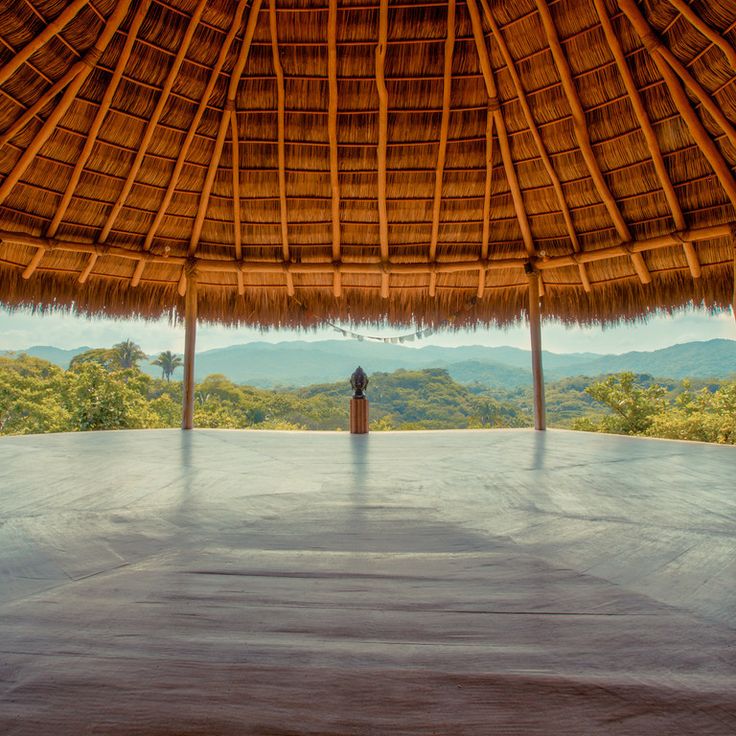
x: 639, y: 406
x: 105, y: 389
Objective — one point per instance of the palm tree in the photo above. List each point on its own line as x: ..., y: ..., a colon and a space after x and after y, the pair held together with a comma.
x: 127, y: 354
x: 168, y: 362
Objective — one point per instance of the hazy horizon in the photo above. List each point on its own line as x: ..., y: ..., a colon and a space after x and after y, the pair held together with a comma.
x: 21, y: 329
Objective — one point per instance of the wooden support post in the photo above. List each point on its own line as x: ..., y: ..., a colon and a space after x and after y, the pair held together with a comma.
x: 535, y: 329
x: 190, y: 339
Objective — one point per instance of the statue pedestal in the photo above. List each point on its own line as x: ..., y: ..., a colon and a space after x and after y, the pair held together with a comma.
x: 358, y: 416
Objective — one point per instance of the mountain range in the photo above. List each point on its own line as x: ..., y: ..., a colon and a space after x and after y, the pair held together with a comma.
x: 301, y: 363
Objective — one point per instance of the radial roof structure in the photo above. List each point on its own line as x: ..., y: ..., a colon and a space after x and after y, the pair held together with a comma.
x: 303, y: 160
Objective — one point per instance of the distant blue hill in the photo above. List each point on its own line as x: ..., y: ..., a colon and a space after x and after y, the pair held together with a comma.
x: 300, y: 363
x: 709, y: 359
x: 57, y: 356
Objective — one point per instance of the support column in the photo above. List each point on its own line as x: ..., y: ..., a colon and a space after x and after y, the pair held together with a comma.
x: 535, y: 329
x: 190, y: 339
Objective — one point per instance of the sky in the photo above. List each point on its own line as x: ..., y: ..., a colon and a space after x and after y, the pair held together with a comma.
x: 21, y: 329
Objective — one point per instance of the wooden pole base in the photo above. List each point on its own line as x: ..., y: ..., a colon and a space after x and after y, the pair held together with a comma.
x: 358, y: 416
x: 535, y: 328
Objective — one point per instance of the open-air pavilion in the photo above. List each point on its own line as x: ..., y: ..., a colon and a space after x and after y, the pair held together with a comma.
x: 436, y: 162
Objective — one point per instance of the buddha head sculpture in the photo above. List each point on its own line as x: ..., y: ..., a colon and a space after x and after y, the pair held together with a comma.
x: 359, y: 383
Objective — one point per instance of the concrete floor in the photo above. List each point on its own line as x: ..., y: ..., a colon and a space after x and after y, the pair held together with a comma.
x: 491, y: 582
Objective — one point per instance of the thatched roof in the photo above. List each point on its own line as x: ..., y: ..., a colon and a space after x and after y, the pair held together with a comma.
x: 310, y: 159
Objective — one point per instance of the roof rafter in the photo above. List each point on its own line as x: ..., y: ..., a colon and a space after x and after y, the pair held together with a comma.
x: 194, y: 125
x: 42, y: 101
x: 531, y: 124
x: 656, y: 47
x: 651, y: 137
x: 235, y: 143
x: 444, y: 129
x: 486, y: 233
x: 153, y: 121
x: 91, y: 261
x: 382, y: 140
x: 88, y: 63
x: 495, y: 107
x: 713, y: 36
x: 685, y: 108
x: 583, y: 139
x: 209, y: 180
x: 46, y: 34
x: 228, y: 109
x: 332, y: 133
x: 99, y: 118
x: 281, y: 125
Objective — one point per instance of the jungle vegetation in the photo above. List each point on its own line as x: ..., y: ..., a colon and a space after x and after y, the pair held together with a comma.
x: 105, y: 389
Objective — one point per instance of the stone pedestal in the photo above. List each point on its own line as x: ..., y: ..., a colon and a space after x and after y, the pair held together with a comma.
x: 358, y: 416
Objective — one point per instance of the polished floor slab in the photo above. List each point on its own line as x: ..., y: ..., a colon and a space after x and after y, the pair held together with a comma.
x: 234, y: 582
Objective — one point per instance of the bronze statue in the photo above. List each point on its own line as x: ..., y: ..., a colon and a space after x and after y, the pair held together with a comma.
x: 359, y: 383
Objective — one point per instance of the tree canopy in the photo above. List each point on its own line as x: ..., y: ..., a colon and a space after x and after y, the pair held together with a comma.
x: 98, y: 392
x: 168, y: 362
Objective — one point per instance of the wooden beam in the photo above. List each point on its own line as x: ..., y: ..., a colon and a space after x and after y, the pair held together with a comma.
x: 688, y: 114
x: 382, y: 126
x: 713, y: 36
x: 482, y: 272
x: 41, y: 102
x: 500, y: 123
x: 46, y: 34
x: 535, y: 330
x: 138, y: 272
x: 102, y: 111
x: 281, y: 126
x: 531, y: 124
x: 581, y: 134
x: 486, y: 235
x: 91, y: 57
x: 190, y: 341
x: 332, y: 126
x: 235, y: 26
x: 444, y: 128
x: 88, y: 268
x: 650, y: 136
x: 181, y: 286
x: 33, y: 265
x: 153, y: 121
x: 516, y: 195
x: 228, y: 109
x: 209, y: 180
x: 656, y: 47
x: 442, y: 152
x: 235, y: 143
x: 372, y: 266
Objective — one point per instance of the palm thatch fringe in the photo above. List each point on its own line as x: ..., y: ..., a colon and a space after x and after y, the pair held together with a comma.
x: 370, y: 161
